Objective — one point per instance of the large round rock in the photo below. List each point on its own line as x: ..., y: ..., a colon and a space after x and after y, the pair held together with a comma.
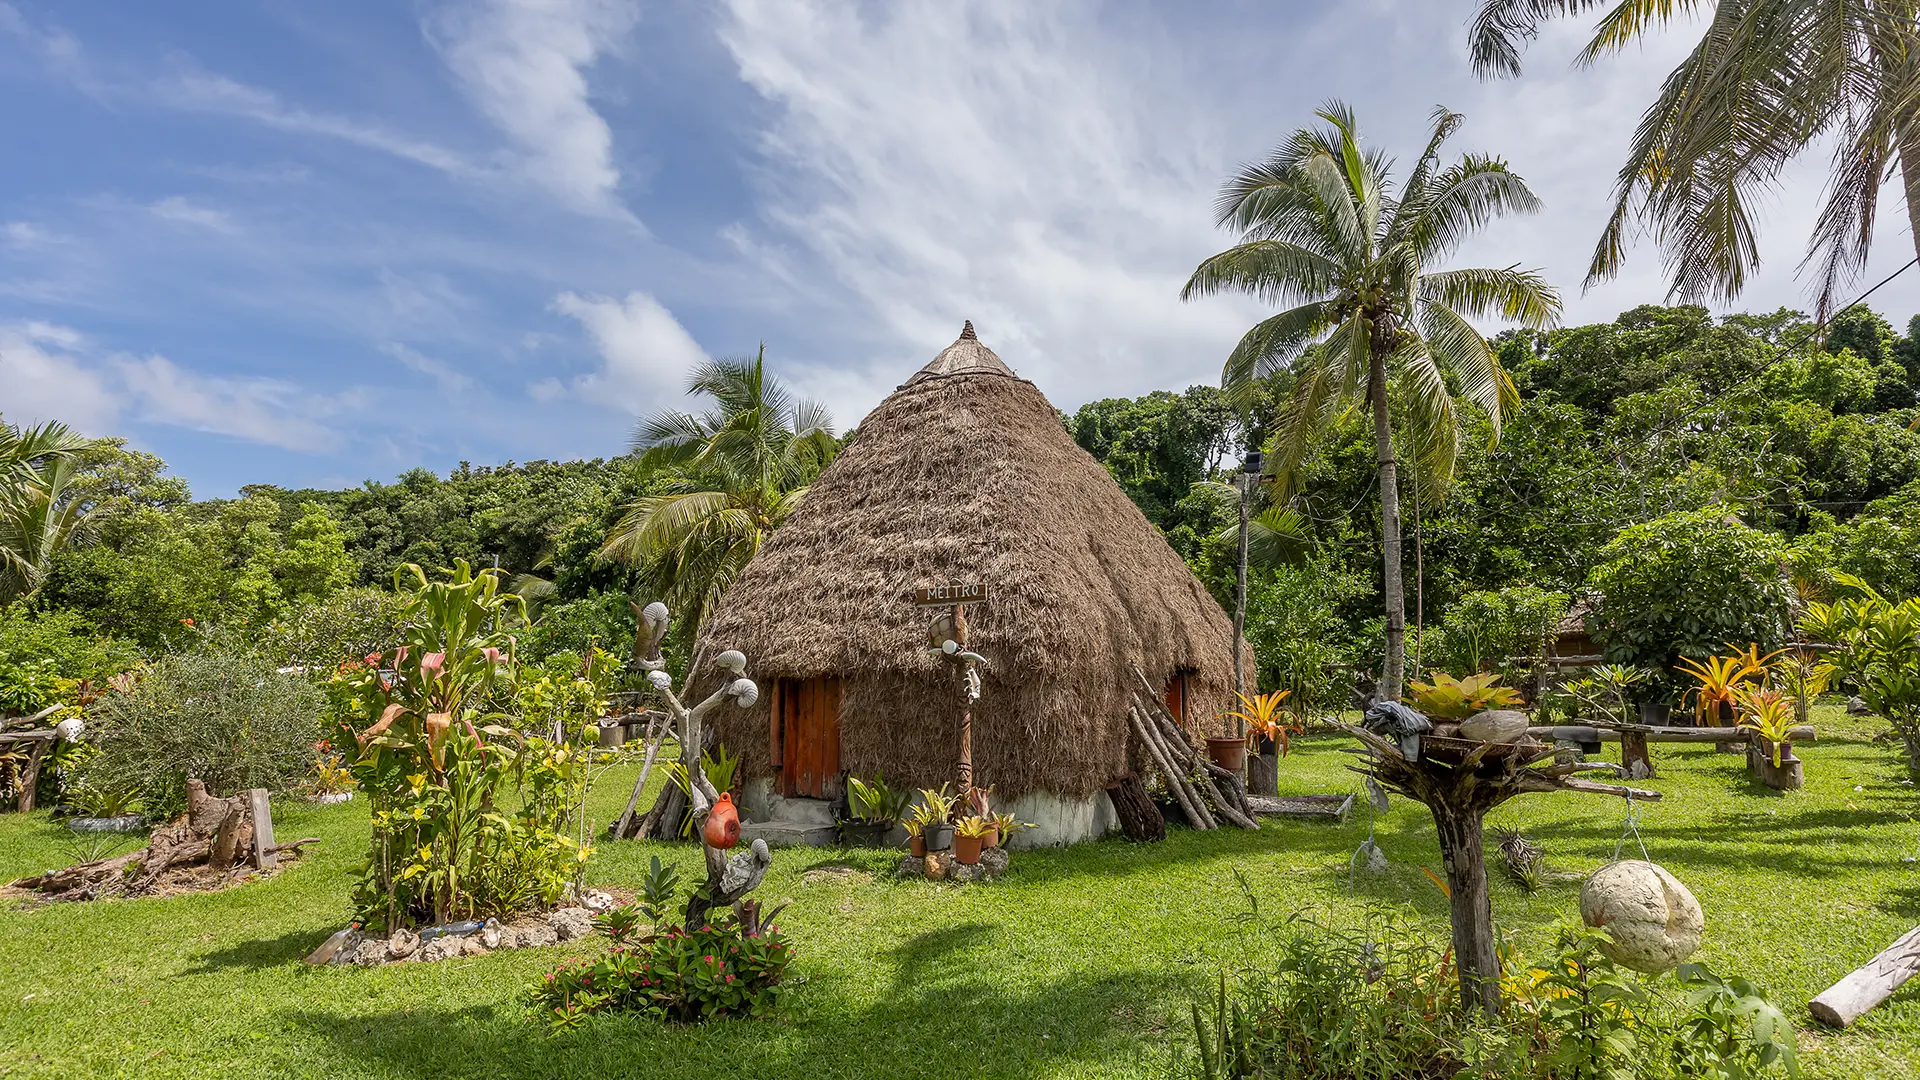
x: 1495, y: 726
x: 1653, y: 919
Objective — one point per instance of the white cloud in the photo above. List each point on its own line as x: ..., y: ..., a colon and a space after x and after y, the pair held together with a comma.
x: 523, y: 63
x: 40, y: 380
x: 219, y: 94
x: 451, y: 381
x: 47, y: 372
x: 937, y: 162
x: 182, y: 211
x: 647, y: 352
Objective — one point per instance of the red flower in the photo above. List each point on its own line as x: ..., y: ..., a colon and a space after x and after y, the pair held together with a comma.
x: 186, y: 622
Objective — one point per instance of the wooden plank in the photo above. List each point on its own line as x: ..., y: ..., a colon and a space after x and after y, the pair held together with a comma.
x: 263, y: 856
x: 830, y: 715
x: 775, y: 749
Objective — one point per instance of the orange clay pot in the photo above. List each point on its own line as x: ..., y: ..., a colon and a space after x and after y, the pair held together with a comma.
x: 723, y: 824
x: 967, y: 848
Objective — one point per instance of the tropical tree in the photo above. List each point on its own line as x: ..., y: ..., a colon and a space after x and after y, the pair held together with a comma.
x: 731, y: 474
x: 38, y: 515
x: 1768, y: 79
x: 1321, y: 229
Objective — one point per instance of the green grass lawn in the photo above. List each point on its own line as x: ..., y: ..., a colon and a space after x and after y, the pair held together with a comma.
x: 1078, y: 963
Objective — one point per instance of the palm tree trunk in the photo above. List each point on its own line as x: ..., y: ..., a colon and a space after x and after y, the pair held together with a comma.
x: 1392, y: 671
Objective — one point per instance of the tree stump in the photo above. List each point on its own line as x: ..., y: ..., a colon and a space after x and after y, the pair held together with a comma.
x: 1789, y: 775
x: 1140, y: 819
x: 1263, y: 774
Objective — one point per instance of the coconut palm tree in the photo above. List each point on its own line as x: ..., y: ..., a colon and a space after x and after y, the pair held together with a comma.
x: 1768, y: 79
x: 37, y: 515
x: 1321, y: 229
x: 732, y: 474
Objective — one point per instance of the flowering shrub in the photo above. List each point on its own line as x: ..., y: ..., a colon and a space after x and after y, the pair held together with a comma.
x: 702, y: 973
x: 435, y: 755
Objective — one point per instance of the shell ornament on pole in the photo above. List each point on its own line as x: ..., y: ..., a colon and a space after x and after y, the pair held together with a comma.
x: 1653, y: 919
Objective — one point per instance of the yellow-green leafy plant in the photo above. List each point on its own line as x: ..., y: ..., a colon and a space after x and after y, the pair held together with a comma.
x: 1766, y: 713
x: 1449, y: 698
x: 1267, y: 717
x: 1718, y: 678
x: 973, y: 825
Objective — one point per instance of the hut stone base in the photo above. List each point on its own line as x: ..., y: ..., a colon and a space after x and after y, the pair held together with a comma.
x: 1057, y: 819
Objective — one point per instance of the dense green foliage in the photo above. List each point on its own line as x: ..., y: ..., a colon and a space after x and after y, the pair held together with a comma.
x: 1686, y: 585
x: 220, y: 715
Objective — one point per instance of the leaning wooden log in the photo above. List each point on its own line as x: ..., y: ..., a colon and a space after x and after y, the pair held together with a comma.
x: 1139, y: 818
x: 1177, y: 785
x: 656, y: 731
x: 1869, y: 984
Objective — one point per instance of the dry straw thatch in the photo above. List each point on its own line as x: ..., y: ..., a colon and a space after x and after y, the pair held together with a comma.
x: 966, y: 473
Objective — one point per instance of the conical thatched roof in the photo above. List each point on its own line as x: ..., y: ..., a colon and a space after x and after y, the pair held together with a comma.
x: 966, y: 473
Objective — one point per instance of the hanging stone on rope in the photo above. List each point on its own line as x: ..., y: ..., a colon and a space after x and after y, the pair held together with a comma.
x: 1654, y: 921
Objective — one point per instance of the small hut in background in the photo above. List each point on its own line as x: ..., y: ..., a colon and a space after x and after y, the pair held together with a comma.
x: 966, y: 474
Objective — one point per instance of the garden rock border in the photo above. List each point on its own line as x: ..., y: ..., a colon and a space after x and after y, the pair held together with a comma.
x: 355, y: 948
x: 942, y: 866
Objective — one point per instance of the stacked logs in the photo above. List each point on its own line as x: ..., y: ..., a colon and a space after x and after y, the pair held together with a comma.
x: 217, y: 832
x: 1199, y: 787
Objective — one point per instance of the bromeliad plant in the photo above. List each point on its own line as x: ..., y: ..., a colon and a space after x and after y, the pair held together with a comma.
x: 1718, y: 680
x: 1267, y: 718
x: 1449, y: 698
x: 874, y: 802
x: 1768, y: 714
x: 437, y: 759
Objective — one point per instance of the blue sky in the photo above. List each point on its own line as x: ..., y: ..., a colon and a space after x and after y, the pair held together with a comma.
x: 311, y: 244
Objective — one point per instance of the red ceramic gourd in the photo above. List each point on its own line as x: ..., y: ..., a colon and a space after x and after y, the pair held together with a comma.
x: 723, y: 824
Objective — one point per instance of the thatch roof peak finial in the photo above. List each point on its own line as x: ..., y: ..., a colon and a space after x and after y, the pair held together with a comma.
x: 966, y: 356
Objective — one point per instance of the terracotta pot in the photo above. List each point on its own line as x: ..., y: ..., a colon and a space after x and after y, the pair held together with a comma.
x: 722, y: 829
x: 966, y: 849
x: 991, y: 840
x: 917, y: 846
x: 1228, y: 753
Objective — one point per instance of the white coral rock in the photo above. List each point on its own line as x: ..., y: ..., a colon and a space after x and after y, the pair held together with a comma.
x: 1653, y: 919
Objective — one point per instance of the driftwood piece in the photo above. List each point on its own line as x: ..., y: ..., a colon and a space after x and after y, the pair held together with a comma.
x: 30, y: 776
x: 1869, y: 984
x: 216, y: 831
x: 1139, y: 818
x: 1173, y: 739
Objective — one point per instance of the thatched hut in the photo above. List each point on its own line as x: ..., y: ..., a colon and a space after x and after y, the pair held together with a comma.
x: 966, y: 473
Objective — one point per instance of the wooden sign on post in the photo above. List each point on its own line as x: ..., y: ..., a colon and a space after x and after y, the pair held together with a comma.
x: 952, y: 594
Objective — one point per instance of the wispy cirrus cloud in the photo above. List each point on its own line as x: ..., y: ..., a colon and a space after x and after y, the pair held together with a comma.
x: 523, y: 64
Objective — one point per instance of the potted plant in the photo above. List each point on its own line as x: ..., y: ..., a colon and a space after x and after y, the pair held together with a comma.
x: 872, y: 809
x: 938, y: 807
x: 1228, y: 751
x: 916, y: 824
x: 1269, y: 723
x: 970, y: 837
x: 1003, y: 827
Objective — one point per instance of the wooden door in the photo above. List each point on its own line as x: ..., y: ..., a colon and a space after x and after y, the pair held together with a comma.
x: 805, y: 732
x: 1176, y: 696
